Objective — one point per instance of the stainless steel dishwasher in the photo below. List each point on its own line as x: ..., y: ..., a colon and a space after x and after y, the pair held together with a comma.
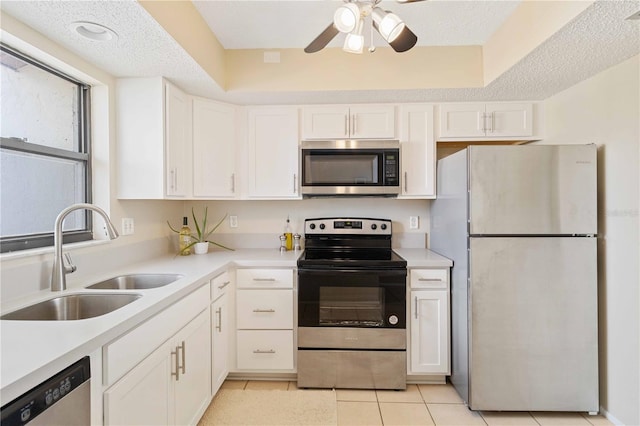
x: 63, y: 399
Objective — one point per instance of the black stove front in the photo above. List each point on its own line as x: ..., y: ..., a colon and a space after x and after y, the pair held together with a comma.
x: 351, y: 306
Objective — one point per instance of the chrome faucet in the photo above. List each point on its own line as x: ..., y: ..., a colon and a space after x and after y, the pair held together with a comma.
x: 60, y: 269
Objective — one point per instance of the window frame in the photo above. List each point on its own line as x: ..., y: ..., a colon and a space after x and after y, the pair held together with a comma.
x: 45, y: 239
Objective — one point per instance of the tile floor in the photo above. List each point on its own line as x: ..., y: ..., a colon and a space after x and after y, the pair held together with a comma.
x: 422, y: 405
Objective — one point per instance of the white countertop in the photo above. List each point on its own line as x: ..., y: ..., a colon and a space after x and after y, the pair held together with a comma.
x: 31, y: 351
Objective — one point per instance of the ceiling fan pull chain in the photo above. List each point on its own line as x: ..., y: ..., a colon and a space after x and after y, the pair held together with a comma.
x: 372, y: 48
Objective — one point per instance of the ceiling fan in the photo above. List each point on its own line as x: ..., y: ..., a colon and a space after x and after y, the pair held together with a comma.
x: 349, y: 19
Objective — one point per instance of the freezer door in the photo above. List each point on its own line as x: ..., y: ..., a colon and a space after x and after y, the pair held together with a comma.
x: 532, y: 190
x: 533, y: 338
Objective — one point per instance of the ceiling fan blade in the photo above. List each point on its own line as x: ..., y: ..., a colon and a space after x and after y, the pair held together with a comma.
x: 323, y: 39
x: 405, y: 40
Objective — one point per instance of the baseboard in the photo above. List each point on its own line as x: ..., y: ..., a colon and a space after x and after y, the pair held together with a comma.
x: 610, y: 417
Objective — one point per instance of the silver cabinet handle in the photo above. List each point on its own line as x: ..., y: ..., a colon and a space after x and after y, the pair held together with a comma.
x: 219, y: 326
x: 438, y: 280
x: 415, y: 311
x: 405, y: 182
x: 226, y: 283
x: 354, y: 129
x: 483, y: 117
x: 295, y: 183
x: 346, y: 125
x: 491, y: 121
x: 264, y: 279
x: 259, y: 351
x: 233, y: 183
x: 177, y: 364
x: 184, y: 357
x: 268, y: 311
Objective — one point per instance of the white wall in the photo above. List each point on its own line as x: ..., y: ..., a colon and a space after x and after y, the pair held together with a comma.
x: 261, y: 222
x: 605, y: 110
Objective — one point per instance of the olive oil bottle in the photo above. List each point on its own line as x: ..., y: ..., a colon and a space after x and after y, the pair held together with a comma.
x: 184, y: 238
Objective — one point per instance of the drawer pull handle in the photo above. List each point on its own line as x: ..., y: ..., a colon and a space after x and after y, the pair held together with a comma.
x: 264, y: 279
x: 259, y: 351
x: 269, y: 311
x: 436, y: 280
x: 226, y: 283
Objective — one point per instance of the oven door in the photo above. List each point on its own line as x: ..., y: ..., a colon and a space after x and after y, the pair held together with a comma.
x: 352, y: 298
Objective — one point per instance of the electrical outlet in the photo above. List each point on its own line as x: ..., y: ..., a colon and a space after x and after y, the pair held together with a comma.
x: 233, y: 221
x: 127, y: 226
x: 414, y: 222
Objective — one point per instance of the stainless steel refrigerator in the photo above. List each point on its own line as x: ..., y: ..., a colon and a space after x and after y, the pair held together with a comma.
x: 519, y: 223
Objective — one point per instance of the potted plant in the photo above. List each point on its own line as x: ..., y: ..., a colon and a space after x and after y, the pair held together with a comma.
x: 200, y: 240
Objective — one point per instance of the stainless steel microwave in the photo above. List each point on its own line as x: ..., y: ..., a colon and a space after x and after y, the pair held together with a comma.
x: 350, y: 167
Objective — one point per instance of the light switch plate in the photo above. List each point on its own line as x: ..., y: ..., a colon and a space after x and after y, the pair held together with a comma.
x: 414, y: 222
x: 127, y: 226
x: 233, y: 221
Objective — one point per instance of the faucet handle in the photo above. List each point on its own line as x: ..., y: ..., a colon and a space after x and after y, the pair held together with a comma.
x: 69, y: 267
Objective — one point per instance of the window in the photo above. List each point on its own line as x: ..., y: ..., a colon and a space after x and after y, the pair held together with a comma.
x: 44, y: 153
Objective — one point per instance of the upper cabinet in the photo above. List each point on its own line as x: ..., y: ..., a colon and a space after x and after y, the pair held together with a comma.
x: 272, y: 153
x: 214, y: 149
x: 355, y: 122
x: 490, y: 121
x: 154, y: 139
x: 418, y: 151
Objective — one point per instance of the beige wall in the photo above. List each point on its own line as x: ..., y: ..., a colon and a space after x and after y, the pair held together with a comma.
x: 605, y: 110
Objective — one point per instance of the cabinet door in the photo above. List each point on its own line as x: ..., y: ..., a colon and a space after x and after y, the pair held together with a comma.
x: 418, y: 151
x: 430, y: 332
x: 193, y: 384
x: 214, y: 149
x: 509, y: 119
x: 462, y: 120
x: 220, y: 342
x: 325, y: 122
x: 273, y: 153
x: 178, y: 142
x: 373, y: 122
x: 144, y: 395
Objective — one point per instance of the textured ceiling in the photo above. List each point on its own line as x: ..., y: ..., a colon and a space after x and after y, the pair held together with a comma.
x: 598, y: 38
x: 294, y: 24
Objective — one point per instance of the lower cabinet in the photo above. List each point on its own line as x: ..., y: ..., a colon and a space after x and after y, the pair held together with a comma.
x: 264, y: 319
x: 170, y: 386
x: 429, y: 323
x: 220, y: 322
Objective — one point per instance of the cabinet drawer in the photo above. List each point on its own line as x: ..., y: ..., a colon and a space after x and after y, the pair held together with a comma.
x: 126, y: 352
x: 264, y: 309
x: 264, y: 278
x: 219, y: 285
x: 429, y: 278
x: 265, y: 350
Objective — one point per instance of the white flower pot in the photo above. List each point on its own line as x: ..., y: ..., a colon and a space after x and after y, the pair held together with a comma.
x: 201, y: 248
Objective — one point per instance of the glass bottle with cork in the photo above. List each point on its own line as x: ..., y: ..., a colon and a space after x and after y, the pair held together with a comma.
x: 184, y: 238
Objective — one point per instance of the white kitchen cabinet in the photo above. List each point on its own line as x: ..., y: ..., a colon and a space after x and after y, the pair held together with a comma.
x: 214, y: 149
x: 220, y: 317
x: 272, y: 148
x: 265, y: 319
x: 154, y: 139
x: 418, y: 151
x: 170, y: 386
x: 356, y: 121
x: 429, y: 322
x: 480, y: 121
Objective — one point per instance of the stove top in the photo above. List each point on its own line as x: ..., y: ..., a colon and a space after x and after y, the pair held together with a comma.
x: 349, y: 243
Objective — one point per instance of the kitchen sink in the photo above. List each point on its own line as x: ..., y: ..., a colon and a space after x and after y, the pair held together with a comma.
x: 136, y: 282
x: 72, y: 307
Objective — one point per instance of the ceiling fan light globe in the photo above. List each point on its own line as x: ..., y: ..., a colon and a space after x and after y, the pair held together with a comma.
x: 353, y: 43
x: 346, y: 17
x: 390, y: 27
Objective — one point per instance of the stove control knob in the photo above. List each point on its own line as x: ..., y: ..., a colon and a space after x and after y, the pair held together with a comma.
x: 374, y: 226
x: 383, y: 226
x: 393, y: 320
x: 312, y: 225
x: 322, y: 226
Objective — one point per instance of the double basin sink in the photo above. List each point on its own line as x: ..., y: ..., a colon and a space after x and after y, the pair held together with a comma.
x: 90, y: 305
